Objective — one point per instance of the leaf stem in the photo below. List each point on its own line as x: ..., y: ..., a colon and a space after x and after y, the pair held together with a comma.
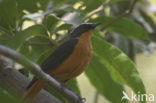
x: 97, y: 10
x: 126, y: 13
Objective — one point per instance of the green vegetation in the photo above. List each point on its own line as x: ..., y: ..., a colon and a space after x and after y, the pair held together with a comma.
x: 114, y: 48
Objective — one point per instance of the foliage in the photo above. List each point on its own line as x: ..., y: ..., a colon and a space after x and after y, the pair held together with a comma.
x: 8, y: 97
x: 52, y: 20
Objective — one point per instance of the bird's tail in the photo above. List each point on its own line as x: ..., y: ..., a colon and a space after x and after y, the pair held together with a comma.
x: 33, y: 91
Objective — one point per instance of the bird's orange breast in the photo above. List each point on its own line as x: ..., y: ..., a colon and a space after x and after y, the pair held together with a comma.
x: 76, y: 63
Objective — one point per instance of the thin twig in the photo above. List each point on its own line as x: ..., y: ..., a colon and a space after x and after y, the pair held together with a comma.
x: 128, y: 12
x: 97, y: 10
x: 35, y: 69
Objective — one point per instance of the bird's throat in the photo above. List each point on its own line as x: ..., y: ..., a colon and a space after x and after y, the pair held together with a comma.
x: 86, y: 36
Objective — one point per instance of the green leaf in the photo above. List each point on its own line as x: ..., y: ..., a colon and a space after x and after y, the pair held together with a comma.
x: 29, y: 5
x: 64, y: 27
x: 57, y: 3
x: 4, y: 38
x: 118, y: 0
x: 8, y: 13
x: 72, y: 84
x: 121, y: 68
x: 32, y: 47
x: 89, y: 5
x: 17, y: 40
x: 75, y: 19
x: 45, y: 55
x: 66, y: 9
x: 124, y: 26
x: 43, y: 4
x: 51, y: 22
x: 8, y: 97
x: 101, y: 79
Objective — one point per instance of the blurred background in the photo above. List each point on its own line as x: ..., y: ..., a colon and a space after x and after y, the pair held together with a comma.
x: 145, y: 60
x: 146, y: 66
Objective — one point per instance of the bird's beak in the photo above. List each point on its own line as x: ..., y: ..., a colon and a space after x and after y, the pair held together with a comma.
x: 95, y: 24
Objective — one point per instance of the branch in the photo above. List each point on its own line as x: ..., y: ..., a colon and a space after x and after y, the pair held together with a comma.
x: 17, y: 82
x: 128, y: 12
x: 97, y: 10
x: 35, y: 69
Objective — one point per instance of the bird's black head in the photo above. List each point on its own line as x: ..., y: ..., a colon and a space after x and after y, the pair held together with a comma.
x: 82, y: 28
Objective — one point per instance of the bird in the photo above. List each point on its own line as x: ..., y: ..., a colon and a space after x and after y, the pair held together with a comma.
x: 68, y: 61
